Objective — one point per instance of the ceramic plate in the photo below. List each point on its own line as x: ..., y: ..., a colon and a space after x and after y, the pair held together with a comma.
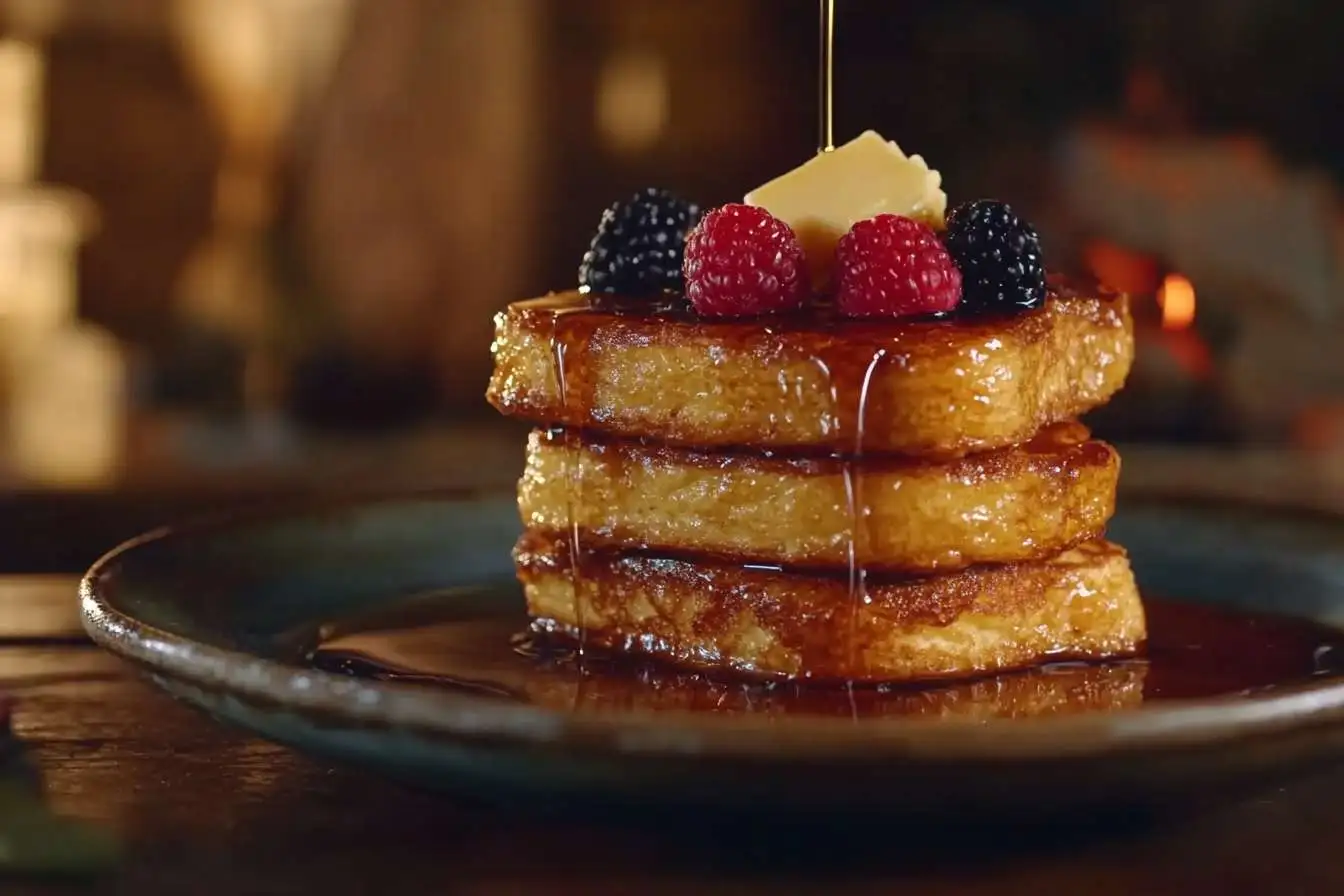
x: 225, y: 615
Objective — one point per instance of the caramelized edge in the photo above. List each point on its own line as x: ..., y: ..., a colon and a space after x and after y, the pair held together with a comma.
x: 1056, y: 449
x: 936, y: 599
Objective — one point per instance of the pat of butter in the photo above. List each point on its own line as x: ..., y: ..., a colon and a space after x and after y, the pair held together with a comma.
x: 830, y: 193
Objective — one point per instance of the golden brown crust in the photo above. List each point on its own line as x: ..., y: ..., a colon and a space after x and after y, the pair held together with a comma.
x: 933, y: 388
x: 1082, y: 604
x: 1023, y: 503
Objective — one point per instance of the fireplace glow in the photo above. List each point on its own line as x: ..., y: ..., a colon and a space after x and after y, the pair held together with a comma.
x: 1120, y: 268
x: 1176, y: 298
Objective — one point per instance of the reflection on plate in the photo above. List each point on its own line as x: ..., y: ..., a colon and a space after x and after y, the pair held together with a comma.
x: 487, y: 658
x: 470, y: 641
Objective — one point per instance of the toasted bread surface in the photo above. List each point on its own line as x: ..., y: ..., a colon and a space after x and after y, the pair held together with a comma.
x: 698, y: 613
x: 930, y: 388
x: 883, y: 514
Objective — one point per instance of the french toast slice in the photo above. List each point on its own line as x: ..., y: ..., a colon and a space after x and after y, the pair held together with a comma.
x: 917, y: 387
x: 1061, y: 690
x: 1082, y: 604
x: 897, y: 515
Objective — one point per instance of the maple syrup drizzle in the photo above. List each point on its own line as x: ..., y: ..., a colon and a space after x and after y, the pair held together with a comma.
x: 566, y: 338
x: 831, y: 373
x: 858, y: 585
x: 455, y: 642
x: 857, y: 577
x: 852, y: 466
x: 853, y: 562
x: 849, y: 392
x: 826, y: 79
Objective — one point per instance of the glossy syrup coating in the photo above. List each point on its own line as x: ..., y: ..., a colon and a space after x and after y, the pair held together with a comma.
x: 813, y: 383
x: 1023, y: 503
x: 763, y: 621
x: 623, y: 685
x: 1193, y: 652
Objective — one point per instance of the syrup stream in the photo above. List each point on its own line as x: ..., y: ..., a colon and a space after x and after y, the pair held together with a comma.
x: 852, y: 469
x: 826, y: 72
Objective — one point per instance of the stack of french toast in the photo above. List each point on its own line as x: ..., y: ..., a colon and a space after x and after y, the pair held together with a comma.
x: 807, y: 436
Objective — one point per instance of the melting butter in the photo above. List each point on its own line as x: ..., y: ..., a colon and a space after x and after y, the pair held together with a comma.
x: 828, y: 194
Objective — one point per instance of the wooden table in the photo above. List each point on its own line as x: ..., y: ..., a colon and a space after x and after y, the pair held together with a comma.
x: 181, y: 469
x: 200, y: 809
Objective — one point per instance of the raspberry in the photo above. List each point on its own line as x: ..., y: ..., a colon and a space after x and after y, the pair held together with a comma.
x: 999, y: 256
x: 742, y: 261
x: 638, y: 246
x: 889, y: 266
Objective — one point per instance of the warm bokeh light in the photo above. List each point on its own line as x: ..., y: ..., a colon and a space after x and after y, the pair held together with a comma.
x: 1118, y: 267
x: 632, y: 101
x: 22, y: 73
x: 1177, y: 300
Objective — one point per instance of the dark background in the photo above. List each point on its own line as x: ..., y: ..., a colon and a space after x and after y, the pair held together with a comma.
x: 444, y: 158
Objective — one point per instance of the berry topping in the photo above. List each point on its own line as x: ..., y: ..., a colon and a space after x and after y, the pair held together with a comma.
x: 743, y: 261
x: 999, y: 256
x: 889, y: 266
x: 638, y: 245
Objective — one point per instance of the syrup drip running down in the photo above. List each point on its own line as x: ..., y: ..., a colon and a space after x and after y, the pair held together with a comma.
x: 849, y: 407
x: 852, y: 469
x: 858, y: 577
x: 848, y: 359
x: 853, y: 498
x: 568, y: 337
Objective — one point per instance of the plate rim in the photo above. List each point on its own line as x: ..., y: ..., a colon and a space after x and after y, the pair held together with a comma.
x: 448, y: 715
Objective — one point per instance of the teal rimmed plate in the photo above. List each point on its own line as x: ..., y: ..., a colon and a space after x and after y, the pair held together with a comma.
x: 224, y: 615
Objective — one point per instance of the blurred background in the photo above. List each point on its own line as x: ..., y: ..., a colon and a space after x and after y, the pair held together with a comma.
x: 249, y: 249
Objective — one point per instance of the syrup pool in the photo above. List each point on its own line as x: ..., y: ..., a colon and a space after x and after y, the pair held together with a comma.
x: 469, y: 641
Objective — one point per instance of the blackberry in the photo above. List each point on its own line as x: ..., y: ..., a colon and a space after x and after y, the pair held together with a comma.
x: 999, y: 256
x: 639, y: 245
